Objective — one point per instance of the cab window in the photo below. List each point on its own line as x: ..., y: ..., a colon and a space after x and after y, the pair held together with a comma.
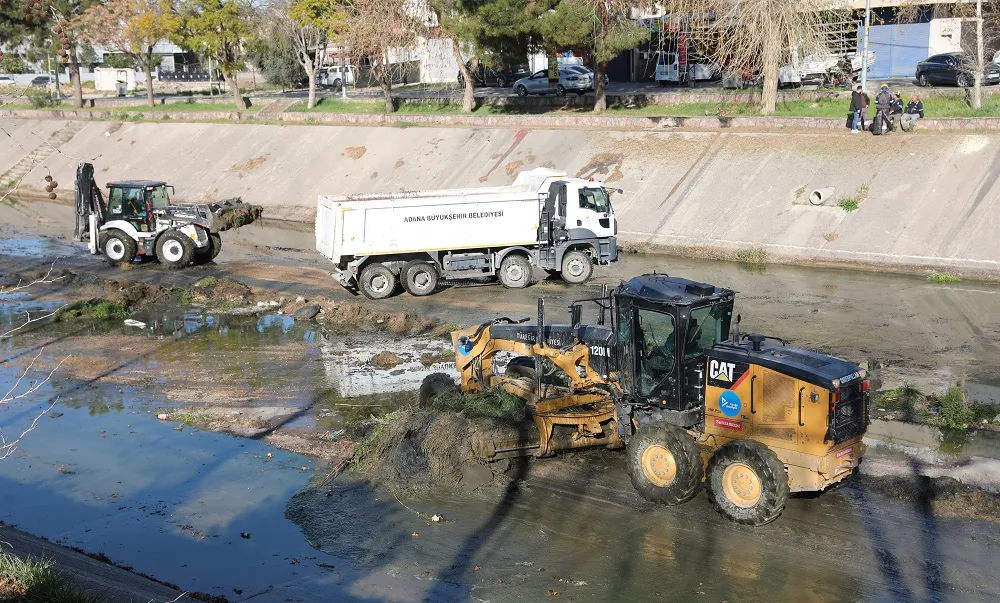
x: 655, y: 348
x: 158, y: 197
x: 115, y: 198
x: 594, y: 199
x: 708, y: 326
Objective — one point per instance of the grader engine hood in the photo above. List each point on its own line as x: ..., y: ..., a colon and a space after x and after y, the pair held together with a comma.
x: 216, y: 217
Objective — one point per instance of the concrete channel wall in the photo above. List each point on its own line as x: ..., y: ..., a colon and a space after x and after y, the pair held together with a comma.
x: 927, y: 201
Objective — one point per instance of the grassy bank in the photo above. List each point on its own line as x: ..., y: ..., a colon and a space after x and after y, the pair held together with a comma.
x: 951, y: 410
x: 182, y: 106
x: 934, y: 106
x: 38, y: 581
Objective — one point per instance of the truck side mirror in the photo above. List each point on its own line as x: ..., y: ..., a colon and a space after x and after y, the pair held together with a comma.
x: 576, y: 315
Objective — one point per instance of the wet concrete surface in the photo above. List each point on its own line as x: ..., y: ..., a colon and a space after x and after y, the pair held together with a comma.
x: 108, y: 477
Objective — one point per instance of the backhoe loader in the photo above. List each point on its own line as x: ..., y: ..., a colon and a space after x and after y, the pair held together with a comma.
x: 139, y: 219
x: 750, y: 416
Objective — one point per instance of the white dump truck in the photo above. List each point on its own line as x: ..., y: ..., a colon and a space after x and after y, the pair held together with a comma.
x: 546, y: 219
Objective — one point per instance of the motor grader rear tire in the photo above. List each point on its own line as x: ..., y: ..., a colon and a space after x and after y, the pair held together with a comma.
x: 433, y: 386
x: 664, y: 464
x: 747, y: 483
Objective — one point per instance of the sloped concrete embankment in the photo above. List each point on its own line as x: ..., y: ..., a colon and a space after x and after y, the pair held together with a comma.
x: 925, y: 201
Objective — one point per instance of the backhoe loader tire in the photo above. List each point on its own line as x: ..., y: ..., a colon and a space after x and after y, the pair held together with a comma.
x: 118, y: 247
x: 515, y: 271
x: 664, y: 464
x: 520, y: 366
x: 576, y: 267
x: 377, y: 281
x: 209, y: 253
x: 419, y: 278
x: 747, y: 483
x: 433, y: 386
x: 174, y: 249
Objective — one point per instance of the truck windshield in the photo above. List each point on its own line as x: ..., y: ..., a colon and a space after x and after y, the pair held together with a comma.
x: 594, y: 199
x: 708, y: 326
x: 158, y: 197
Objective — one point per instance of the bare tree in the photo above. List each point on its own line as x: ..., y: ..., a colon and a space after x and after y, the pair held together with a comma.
x: 298, y: 24
x: 757, y: 36
x: 30, y: 380
x: 376, y: 31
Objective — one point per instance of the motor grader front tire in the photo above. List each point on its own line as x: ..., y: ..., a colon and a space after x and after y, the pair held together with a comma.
x: 664, y: 464
x: 747, y: 483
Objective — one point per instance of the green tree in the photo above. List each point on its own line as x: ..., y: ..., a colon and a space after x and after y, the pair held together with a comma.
x: 277, y: 60
x: 12, y: 64
x: 46, y: 29
x: 118, y: 60
x: 219, y: 29
x: 492, y: 32
x: 309, y: 25
x: 132, y: 27
x: 600, y: 29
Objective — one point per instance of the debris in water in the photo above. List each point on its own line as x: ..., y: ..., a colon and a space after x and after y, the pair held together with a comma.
x: 245, y: 535
x: 270, y: 456
x: 415, y: 535
x: 163, y: 416
x: 304, y: 468
x: 436, y: 518
x: 131, y: 322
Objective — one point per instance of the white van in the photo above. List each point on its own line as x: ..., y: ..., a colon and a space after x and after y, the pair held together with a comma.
x: 335, y: 75
x: 668, y: 69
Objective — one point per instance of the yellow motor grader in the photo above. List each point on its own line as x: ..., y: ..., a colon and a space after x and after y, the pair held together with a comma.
x: 751, y: 416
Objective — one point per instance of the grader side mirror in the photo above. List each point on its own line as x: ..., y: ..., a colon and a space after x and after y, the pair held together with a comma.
x: 576, y: 315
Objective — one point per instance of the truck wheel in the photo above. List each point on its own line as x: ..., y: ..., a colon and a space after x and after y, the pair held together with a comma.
x: 174, y: 249
x: 577, y: 267
x: 118, y: 247
x: 434, y: 386
x: 664, y: 464
x: 515, y: 272
x: 420, y: 278
x: 377, y: 281
x: 747, y: 483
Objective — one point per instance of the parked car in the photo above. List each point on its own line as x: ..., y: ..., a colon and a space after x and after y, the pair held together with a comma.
x: 43, y: 80
x: 334, y: 76
x: 502, y: 77
x: 953, y: 68
x: 569, y: 81
x: 6, y: 80
x: 580, y: 69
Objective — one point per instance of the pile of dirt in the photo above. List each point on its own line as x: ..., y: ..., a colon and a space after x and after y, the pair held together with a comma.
x: 385, y: 360
x: 418, y: 450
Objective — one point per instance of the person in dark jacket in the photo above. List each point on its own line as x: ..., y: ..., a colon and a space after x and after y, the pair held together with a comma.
x: 882, y: 102
x: 858, y: 104
x: 895, y: 109
x: 914, y: 111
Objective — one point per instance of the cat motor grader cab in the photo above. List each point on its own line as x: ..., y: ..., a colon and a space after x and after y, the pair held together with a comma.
x: 751, y: 416
x: 139, y: 219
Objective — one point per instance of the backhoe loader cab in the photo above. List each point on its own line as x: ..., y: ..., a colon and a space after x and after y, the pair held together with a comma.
x: 750, y: 416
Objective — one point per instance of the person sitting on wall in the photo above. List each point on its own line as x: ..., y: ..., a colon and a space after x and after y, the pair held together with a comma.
x: 913, y: 113
x: 895, y: 111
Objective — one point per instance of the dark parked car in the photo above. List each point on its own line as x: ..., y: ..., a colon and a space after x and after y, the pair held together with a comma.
x: 43, y: 80
x: 953, y: 68
x: 503, y: 77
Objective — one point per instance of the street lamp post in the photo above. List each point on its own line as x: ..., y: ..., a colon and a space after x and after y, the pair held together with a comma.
x: 864, y: 46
